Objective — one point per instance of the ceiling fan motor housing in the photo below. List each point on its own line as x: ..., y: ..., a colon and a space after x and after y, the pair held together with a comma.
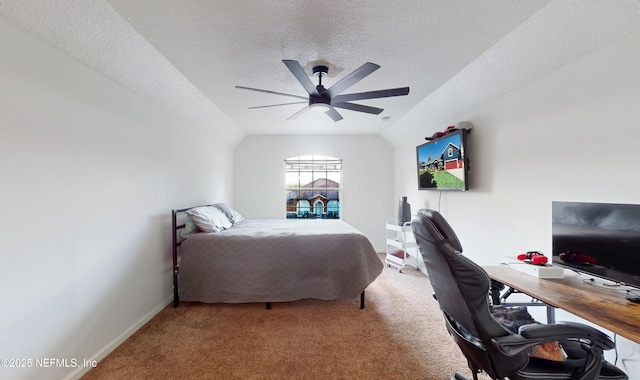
x: 319, y: 99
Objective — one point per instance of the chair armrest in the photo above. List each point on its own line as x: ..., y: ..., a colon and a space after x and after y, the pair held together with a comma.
x: 534, y: 334
x: 570, y: 330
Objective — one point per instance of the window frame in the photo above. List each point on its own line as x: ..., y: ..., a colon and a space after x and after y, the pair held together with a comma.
x: 305, y: 174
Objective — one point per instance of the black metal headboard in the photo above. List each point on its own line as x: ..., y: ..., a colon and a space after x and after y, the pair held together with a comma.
x: 176, y: 242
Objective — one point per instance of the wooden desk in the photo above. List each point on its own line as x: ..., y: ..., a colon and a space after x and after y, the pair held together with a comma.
x: 603, y: 307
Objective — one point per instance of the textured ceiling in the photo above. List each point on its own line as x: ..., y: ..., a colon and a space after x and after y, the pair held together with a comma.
x: 187, y: 56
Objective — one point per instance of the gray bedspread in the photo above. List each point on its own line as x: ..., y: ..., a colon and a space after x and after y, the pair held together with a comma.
x: 277, y: 261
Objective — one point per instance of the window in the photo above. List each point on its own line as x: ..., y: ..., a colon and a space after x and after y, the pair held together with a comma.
x: 313, y: 187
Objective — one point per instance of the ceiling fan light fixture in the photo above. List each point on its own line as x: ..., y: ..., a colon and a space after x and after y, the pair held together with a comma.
x: 319, y: 107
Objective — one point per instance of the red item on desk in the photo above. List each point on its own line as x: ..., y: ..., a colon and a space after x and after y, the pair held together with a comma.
x: 533, y: 257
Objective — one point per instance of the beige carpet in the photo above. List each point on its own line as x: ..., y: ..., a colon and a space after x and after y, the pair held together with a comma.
x: 399, y: 335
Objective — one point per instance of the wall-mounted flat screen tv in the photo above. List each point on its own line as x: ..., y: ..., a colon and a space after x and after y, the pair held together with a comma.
x: 443, y: 163
x: 600, y: 239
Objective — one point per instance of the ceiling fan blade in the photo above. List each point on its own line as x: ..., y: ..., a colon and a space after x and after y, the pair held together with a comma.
x: 275, y: 105
x: 333, y: 114
x: 299, y: 113
x: 358, y: 107
x: 272, y: 92
x: 371, y: 94
x: 301, y: 76
x: 351, y: 79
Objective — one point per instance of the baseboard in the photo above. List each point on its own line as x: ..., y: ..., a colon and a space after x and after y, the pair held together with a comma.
x: 109, y: 347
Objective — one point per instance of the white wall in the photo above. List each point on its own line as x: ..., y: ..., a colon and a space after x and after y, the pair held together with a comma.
x: 367, y: 177
x: 549, y: 140
x: 570, y: 135
x: 89, y: 173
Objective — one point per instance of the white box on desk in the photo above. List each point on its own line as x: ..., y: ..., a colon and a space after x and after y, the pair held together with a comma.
x: 540, y: 271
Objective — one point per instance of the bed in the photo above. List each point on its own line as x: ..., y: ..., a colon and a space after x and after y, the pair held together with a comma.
x: 269, y: 260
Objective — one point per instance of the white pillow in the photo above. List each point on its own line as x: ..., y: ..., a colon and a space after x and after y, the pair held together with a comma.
x: 209, y: 219
x: 232, y: 214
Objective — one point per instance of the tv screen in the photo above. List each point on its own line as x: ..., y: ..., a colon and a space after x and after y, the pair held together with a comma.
x: 601, y: 239
x: 443, y: 163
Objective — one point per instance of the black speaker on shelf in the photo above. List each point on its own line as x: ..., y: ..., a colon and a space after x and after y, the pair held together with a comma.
x: 404, y: 211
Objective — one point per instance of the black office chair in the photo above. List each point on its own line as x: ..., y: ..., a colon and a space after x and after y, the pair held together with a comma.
x: 462, y: 290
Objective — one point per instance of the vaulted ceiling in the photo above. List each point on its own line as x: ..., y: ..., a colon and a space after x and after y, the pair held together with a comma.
x: 188, y: 56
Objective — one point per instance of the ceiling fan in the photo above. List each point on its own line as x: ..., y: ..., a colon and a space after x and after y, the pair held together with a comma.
x: 328, y: 99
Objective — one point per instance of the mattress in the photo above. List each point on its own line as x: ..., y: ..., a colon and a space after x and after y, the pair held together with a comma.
x: 277, y: 260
